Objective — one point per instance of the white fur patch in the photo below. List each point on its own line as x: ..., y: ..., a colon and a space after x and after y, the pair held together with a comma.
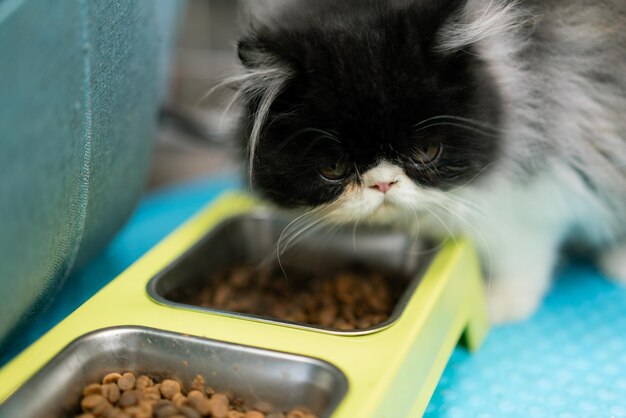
x: 363, y: 202
x: 405, y: 204
x: 512, y: 301
x: 613, y: 264
x: 383, y: 172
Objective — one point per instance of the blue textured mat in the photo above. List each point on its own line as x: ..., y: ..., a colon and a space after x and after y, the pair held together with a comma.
x: 568, y: 361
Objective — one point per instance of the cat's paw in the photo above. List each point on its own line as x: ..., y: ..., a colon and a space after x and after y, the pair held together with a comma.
x: 613, y: 264
x: 511, y: 302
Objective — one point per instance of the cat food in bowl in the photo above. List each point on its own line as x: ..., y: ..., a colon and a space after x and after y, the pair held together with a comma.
x: 353, y: 281
x: 345, y: 300
x: 124, y: 395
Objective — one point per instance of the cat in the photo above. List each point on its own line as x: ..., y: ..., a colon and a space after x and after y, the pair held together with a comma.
x: 500, y: 120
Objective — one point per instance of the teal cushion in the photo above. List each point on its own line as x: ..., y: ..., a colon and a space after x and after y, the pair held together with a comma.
x: 80, y: 83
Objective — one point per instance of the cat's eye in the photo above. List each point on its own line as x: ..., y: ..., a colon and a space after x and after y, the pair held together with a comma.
x: 427, y: 154
x: 334, y: 170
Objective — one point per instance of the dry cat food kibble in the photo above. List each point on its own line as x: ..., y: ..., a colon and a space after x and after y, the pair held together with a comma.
x: 347, y: 300
x: 127, y: 396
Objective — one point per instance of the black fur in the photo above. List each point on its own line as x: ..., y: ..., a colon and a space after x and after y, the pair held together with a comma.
x: 365, y: 74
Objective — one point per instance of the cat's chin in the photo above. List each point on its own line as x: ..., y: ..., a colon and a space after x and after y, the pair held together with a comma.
x: 385, y: 213
x: 389, y: 214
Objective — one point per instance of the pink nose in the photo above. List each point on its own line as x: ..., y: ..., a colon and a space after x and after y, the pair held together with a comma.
x: 383, y: 186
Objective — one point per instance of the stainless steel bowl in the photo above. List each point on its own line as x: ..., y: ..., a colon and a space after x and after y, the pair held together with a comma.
x: 253, y: 239
x: 284, y: 380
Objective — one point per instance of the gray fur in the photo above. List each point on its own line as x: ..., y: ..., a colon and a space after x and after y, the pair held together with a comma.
x: 561, y: 69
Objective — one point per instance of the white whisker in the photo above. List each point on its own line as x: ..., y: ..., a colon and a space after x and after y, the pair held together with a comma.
x: 293, y: 239
x: 289, y: 225
x: 457, y: 125
x: 478, y: 123
x: 477, y: 234
x: 474, y: 177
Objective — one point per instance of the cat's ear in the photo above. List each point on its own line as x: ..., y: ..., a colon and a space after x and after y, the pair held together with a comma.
x: 254, y: 53
x: 254, y: 48
x: 259, y: 49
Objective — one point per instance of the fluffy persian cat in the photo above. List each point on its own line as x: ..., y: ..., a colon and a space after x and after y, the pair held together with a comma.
x: 502, y: 120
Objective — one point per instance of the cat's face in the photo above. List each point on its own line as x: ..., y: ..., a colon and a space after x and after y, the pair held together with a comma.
x: 371, y: 121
